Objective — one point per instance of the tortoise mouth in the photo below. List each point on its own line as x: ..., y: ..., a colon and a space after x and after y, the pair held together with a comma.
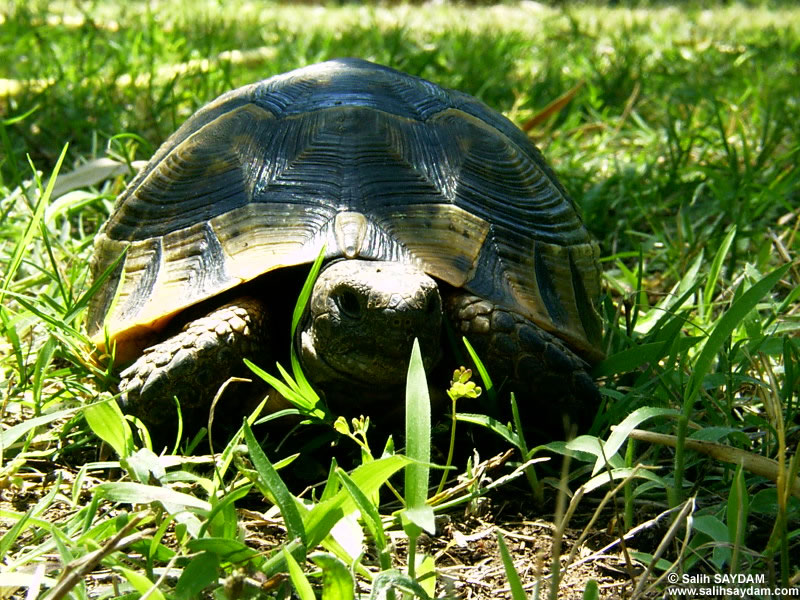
x: 362, y: 320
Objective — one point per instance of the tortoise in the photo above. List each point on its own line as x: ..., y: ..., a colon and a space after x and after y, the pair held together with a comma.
x: 435, y: 214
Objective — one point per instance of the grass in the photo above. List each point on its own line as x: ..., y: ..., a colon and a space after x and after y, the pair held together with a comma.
x: 680, y: 144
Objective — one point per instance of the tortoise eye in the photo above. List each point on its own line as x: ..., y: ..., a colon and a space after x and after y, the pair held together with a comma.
x: 348, y: 303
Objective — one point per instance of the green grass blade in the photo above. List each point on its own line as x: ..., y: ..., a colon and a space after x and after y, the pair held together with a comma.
x: 299, y: 309
x: 10, y: 536
x: 290, y: 380
x: 16, y: 347
x: 485, y: 378
x: 83, y: 301
x: 310, y: 406
x: 16, y: 119
x: 592, y: 591
x: 371, y: 517
x: 714, y: 271
x: 12, y: 434
x: 369, y: 478
x: 492, y: 424
x: 58, y: 324
x: 514, y: 582
x: 24, y: 242
x: 273, y: 482
x: 43, y: 360
x: 231, y: 550
x: 621, y: 431
x: 627, y: 361
x: 299, y: 580
x: 225, y: 506
x: 737, y: 513
x: 725, y: 327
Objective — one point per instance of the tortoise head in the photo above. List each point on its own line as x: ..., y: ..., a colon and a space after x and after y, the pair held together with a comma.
x: 361, y: 322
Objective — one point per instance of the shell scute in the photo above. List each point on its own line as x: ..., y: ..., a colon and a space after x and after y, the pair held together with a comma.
x: 366, y: 161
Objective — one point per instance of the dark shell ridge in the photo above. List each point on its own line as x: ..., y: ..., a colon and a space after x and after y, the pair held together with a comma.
x: 397, y: 167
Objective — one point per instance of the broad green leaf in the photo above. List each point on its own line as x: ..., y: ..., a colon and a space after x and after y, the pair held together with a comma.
x: 714, y: 434
x: 337, y: 580
x: 145, y: 464
x: 629, y: 360
x: 594, y: 446
x: 387, y: 580
x: 426, y: 573
x: 712, y: 527
x: 647, y: 558
x: 201, y: 572
x: 715, y: 529
x: 418, y: 431
x: 421, y: 516
x: 620, y: 473
x: 141, y: 583
x: 583, y: 448
x: 110, y: 425
x: 137, y: 493
x: 491, y: 423
x: 227, y: 550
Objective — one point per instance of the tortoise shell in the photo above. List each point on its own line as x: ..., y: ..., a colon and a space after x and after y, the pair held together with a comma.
x: 365, y: 160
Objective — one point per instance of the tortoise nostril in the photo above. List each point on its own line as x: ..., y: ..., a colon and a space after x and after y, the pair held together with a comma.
x: 348, y: 303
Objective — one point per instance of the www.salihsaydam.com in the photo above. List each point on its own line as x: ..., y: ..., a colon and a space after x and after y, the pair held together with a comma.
x: 721, y: 584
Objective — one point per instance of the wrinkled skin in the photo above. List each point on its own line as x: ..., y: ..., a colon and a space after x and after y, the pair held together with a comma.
x: 362, y: 321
